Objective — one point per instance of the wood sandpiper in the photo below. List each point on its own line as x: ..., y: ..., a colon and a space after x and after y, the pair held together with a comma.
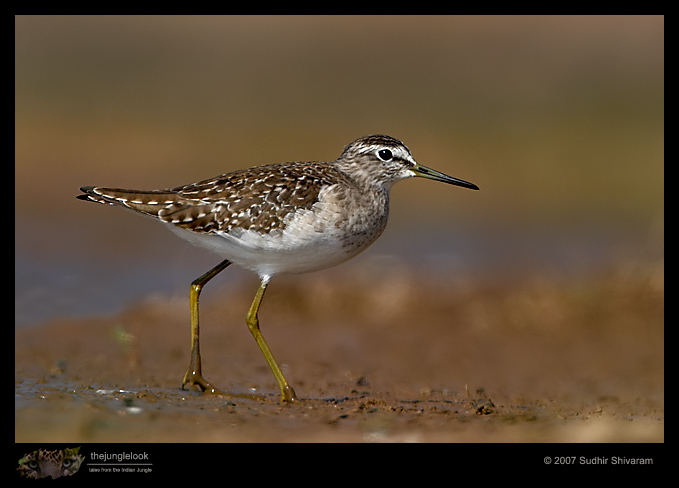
x: 280, y: 218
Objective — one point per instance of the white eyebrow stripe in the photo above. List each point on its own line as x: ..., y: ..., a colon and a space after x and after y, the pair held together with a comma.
x: 399, y: 152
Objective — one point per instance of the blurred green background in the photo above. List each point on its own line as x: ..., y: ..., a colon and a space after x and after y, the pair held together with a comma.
x: 559, y: 120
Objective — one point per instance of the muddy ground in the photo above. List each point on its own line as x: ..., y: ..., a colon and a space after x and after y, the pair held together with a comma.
x: 394, y: 358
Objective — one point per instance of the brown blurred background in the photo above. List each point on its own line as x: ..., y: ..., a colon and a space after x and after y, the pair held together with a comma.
x: 559, y: 120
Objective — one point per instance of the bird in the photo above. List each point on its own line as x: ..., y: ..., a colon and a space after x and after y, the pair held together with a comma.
x: 275, y: 219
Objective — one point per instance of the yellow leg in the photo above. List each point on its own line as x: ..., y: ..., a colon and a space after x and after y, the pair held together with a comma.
x: 287, y: 393
x: 194, y: 375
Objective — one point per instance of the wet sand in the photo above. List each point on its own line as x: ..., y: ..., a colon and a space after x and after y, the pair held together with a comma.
x: 394, y: 358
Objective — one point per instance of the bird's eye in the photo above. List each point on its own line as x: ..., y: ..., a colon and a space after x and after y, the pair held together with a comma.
x: 385, y: 154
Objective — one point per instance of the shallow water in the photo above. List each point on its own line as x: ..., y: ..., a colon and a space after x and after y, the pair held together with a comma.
x: 84, y: 280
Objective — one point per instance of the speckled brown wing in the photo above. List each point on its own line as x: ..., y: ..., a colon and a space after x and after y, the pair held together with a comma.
x: 257, y: 199
x: 147, y: 202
